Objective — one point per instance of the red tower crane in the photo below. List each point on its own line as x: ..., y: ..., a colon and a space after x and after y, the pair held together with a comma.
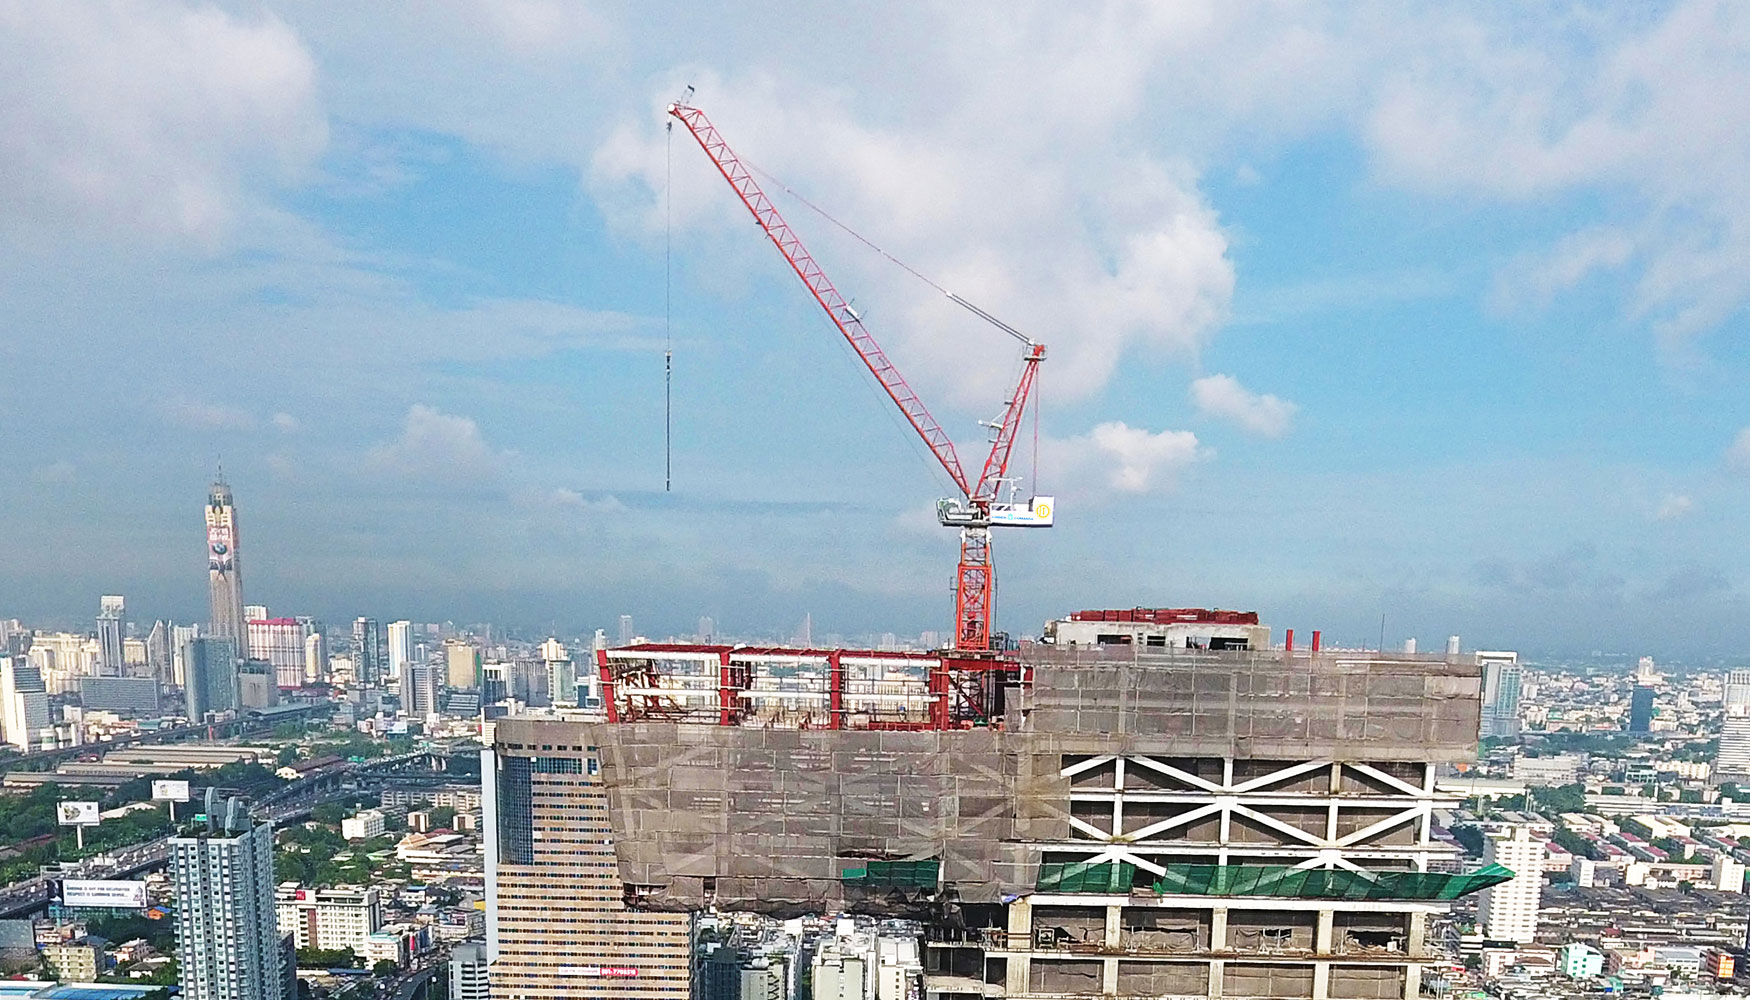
x: 977, y: 509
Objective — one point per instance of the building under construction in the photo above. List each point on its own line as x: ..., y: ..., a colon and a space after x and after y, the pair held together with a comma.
x: 1158, y: 804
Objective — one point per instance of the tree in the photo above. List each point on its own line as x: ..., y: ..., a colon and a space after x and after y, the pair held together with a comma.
x: 1471, y: 837
x: 328, y: 813
x: 1562, y: 798
x: 384, y: 969
x: 287, y: 755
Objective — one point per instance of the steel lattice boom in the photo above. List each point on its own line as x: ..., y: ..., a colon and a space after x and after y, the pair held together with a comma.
x: 972, y: 512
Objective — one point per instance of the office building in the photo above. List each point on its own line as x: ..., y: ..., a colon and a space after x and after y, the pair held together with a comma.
x: 180, y: 636
x: 1732, y: 757
x: 422, y: 689
x: 557, y: 923
x: 468, y: 971
x: 363, y: 825
x: 315, y: 656
x: 462, y: 663
x: 210, y: 685
x: 1508, y: 910
x: 111, y: 615
x: 1640, y: 710
x: 227, y: 942
x: 257, y: 685
x: 136, y: 696
x: 280, y: 643
x: 1501, y: 683
x: 1736, y: 698
x: 224, y: 568
x: 400, y: 649
x: 367, y: 652
x: 24, y: 705
x: 839, y: 975
x: 1728, y: 874
x: 160, y: 650
x: 341, y: 917
x: 626, y: 632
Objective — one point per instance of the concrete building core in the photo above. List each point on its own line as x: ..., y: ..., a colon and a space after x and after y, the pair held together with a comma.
x: 1112, y: 818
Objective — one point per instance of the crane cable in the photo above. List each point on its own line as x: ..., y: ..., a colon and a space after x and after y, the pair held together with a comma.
x: 914, y: 272
x: 667, y: 311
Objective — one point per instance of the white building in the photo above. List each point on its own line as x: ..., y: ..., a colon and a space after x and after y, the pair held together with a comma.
x: 1584, y: 872
x: 1732, y: 759
x: 227, y: 942
x: 1501, y: 681
x: 362, y: 825
x: 400, y: 648
x: 1737, y: 693
x: 468, y: 971
x: 1728, y: 875
x: 1509, y: 910
x: 330, y: 919
x: 25, y: 719
x: 839, y: 976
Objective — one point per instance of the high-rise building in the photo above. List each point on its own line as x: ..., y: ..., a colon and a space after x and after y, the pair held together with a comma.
x: 707, y: 629
x: 209, y: 676
x: 1640, y: 709
x: 1509, y: 910
x: 462, y: 662
x: 367, y: 652
x: 330, y: 919
x: 1646, y: 671
x: 227, y: 937
x: 111, y: 614
x: 400, y: 649
x: 160, y: 646
x: 315, y: 657
x: 422, y: 689
x: 280, y: 642
x: 257, y: 684
x: 1501, y: 683
x: 1728, y: 874
x: 468, y: 971
x: 25, y: 717
x: 224, y: 570
x: 180, y: 636
x: 626, y: 632
x: 557, y: 923
x: 1737, y: 693
x: 1732, y: 756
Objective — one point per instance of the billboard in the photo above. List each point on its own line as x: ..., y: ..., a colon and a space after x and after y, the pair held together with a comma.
x: 77, y: 814
x: 117, y: 893
x: 169, y: 791
x: 1036, y: 513
x: 220, y: 548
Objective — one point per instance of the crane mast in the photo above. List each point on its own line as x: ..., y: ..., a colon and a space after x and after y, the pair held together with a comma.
x: 977, y: 508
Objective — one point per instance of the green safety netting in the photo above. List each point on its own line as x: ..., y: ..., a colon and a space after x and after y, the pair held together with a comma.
x: 1323, y: 883
x: 897, y: 874
x: 1270, y: 880
x: 1081, y: 876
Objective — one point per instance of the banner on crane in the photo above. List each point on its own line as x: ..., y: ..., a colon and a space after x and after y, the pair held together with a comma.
x: 1035, y: 513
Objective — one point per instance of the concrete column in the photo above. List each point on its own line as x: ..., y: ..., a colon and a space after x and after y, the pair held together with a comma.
x: 1412, y: 982
x: 1217, y: 969
x: 1114, y: 925
x: 1416, y: 945
x: 1020, y: 967
x: 1109, y: 977
x: 1322, y: 932
x: 1218, y: 929
x: 1321, y: 987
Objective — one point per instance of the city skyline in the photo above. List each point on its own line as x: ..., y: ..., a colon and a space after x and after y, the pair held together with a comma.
x: 1426, y: 313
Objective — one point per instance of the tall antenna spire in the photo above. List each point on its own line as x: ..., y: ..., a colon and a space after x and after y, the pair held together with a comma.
x: 667, y: 336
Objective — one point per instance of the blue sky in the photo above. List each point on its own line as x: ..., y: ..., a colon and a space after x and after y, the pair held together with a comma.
x: 1353, y: 310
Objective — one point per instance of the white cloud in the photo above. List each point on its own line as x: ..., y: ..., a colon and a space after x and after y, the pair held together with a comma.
x: 285, y: 422
x: 1738, y: 452
x: 1223, y: 396
x: 208, y: 416
x: 1644, y: 108
x: 436, y: 447
x: 565, y: 499
x: 1673, y: 506
x: 128, y: 119
x: 1125, y: 459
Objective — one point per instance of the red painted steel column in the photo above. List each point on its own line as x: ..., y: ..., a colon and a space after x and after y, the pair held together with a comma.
x: 835, y: 695
x: 613, y: 707
x: 723, y: 701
